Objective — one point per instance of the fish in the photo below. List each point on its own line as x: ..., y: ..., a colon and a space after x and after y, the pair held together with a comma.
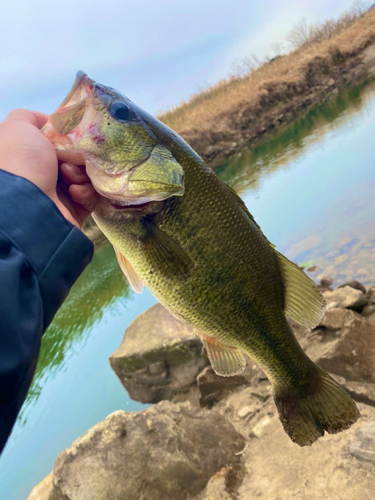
x: 182, y: 232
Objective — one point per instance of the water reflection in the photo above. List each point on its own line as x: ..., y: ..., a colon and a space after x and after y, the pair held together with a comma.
x: 249, y: 167
x: 98, y: 288
x: 323, y: 166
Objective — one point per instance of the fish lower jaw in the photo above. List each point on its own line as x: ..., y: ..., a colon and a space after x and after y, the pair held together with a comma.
x: 120, y: 203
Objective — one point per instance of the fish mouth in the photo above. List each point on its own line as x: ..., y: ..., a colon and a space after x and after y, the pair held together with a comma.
x: 140, y: 206
x: 62, y: 126
x: 81, y: 88
x: 70, y: 112
x: 140, y: 181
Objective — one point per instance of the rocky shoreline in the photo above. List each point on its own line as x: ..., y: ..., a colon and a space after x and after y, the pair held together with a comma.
x: 216, y: 438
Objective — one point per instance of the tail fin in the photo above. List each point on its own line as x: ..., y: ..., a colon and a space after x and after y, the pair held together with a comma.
x: 320, y: 406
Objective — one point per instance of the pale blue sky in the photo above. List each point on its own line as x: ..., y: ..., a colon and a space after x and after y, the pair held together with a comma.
x: 156, y: 52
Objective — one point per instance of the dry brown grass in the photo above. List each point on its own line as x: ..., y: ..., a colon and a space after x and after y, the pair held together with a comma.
x: 207, y: 110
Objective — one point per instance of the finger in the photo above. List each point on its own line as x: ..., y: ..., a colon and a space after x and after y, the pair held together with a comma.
x: 84, y: 195
x: 36, y: 118
x: 73, y: 174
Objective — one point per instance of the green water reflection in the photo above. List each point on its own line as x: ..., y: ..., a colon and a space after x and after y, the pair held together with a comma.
x: 100, y: 285
x: 246, y: 169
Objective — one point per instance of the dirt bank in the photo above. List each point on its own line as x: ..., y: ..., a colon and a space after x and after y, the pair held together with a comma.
x: 239, y: 112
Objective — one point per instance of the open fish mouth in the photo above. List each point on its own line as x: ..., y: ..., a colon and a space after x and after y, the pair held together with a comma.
x: 70, y: 112
x: 86, y: 131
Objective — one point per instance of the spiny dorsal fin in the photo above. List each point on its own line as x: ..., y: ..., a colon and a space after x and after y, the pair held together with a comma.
x: 166, y: 252
x: 127, y: 269
x: 225, y: 360
x: 303, y: 301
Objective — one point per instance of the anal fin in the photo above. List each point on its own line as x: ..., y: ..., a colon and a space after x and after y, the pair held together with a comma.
x: 225, y: 360
x: 133, y: 278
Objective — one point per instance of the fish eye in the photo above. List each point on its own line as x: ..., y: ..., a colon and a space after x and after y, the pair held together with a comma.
x: 120, y: 111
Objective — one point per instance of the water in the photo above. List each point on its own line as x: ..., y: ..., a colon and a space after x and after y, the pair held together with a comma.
x: 309, y: 187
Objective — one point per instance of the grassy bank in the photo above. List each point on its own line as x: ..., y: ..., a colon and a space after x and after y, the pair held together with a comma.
x: 240, y: 110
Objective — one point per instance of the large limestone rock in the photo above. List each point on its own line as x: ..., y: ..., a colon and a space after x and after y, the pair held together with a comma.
x: 159, y: 357
x: 352, y: 355
x: 338, y: 466
x: 167, y: 452
x: 334, y: 318
x: 43, y: 490
x: 346, y: 297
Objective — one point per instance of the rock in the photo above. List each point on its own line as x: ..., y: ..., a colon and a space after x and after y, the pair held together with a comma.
x: 368, y: 310
x: 346, y: 297
x: 354, y: 284
x: 362, y: 392
x: 223, y: 485
x: 242, y: 408
x: 261, y: 427
x: 278, y: 469
x: 167, y: 452
x: 362, y: 446
x: 43, y: 490
x: 312, y: 269
x: 245, y: 411
x: 212, y: 388
x: 352, y: 355
x: 326, y: 281
x: 371, y: 295
x: 159, y: 357
x: 331, y: 305
x: 334, y: 318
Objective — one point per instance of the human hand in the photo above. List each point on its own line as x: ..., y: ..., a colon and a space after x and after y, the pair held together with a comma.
x: 26, y: 152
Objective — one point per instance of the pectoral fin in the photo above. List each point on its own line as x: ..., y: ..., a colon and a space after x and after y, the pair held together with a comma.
x: 225, y: 360
x: 168, y: 256
x: 127, y: 269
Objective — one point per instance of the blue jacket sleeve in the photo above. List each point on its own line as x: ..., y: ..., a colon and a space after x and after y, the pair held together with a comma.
x: 41, y: 256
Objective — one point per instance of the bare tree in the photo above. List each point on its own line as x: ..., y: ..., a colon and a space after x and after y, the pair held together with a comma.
x: 359, y: 7
x: 299, y: 34
x: 242, y: 67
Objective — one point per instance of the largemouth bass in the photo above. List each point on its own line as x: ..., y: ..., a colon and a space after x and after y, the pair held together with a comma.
x: 182, y: 232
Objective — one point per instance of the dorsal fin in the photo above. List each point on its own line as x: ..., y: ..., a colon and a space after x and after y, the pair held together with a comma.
x: 303, y: 301
x: 133, y: 278
x: 225, y: 360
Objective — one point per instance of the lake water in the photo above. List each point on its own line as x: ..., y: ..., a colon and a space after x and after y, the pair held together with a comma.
x: 311, y: 189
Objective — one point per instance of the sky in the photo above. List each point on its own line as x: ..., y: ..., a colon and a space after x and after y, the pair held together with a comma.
x: 158, y: 53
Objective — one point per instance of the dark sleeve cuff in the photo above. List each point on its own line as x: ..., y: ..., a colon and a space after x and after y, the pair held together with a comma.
x: 57, y: 251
